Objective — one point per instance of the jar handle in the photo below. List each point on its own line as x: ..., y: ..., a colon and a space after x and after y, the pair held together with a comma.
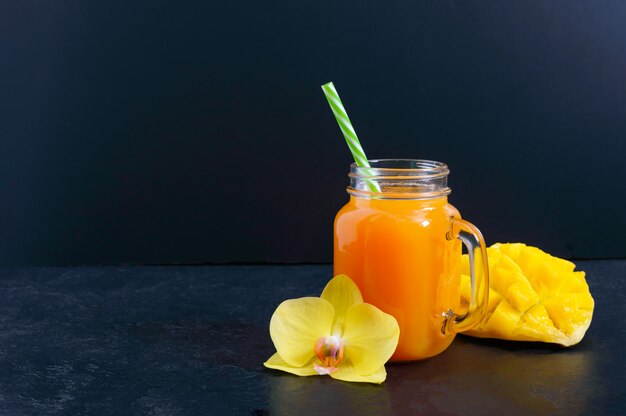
x: 479, y: 298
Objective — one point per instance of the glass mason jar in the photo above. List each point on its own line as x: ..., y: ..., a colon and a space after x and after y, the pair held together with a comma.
x: 399, y: 239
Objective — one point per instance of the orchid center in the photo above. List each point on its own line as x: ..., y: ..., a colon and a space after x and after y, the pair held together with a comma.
x: 329, y: 350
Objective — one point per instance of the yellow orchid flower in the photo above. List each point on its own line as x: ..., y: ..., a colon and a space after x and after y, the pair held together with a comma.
x: 336, y: 334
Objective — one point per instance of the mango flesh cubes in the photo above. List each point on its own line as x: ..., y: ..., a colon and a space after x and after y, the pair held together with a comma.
x: 533, y: 296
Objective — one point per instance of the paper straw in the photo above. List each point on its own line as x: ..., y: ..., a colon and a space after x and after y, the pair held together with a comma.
x: 348, y: 131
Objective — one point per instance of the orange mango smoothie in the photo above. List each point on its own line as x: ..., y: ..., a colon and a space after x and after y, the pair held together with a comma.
x: 397, y: 253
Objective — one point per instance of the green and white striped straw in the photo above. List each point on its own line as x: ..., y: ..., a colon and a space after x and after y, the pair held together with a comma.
x: 348, y: 131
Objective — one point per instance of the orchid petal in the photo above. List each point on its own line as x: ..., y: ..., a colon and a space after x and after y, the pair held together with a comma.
x: 277, y: 363
x: 348, y: 372
x: 297, y: 324
x: 370, y: 338
x: 342, y: 293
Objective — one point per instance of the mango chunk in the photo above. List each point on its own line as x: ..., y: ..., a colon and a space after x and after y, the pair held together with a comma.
x: 533, y: 296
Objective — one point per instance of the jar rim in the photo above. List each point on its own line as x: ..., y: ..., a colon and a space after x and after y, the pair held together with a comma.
x: 414, y: 165
x: 399, y: 179
x: 394, y: 167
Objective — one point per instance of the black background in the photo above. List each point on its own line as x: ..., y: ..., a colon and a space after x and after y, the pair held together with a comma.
x: 184, y: 132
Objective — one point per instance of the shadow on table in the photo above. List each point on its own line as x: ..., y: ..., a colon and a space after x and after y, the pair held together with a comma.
x: 472, y: 377
x: 292, y: 395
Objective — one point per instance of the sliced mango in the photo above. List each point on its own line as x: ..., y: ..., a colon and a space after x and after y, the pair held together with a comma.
x: 533, y: 296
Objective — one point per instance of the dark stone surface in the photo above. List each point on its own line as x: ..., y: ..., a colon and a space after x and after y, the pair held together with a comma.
x: 191, y: 340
